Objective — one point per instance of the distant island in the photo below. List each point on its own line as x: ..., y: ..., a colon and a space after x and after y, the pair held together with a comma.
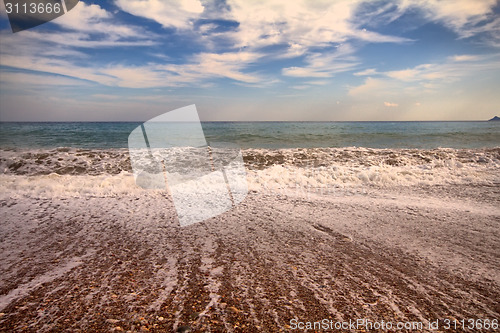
x: 495, y: 118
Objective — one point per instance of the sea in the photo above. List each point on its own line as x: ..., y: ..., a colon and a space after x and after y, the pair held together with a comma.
x: 94, y: 158
x: 268, y: 135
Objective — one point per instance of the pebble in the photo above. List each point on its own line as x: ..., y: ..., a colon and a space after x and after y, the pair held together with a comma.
x: 233, y: 309
x: 183, y: 329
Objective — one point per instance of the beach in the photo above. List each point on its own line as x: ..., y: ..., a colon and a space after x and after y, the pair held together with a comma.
x: 400, y: 236
x: 249, y: 166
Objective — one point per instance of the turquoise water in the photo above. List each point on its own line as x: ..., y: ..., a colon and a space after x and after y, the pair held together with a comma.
x: 426, y: 135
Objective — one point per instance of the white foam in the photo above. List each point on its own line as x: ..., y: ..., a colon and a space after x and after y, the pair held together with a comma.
x: 304, y: 169
x: 46, y: 186
x: 281, y: 177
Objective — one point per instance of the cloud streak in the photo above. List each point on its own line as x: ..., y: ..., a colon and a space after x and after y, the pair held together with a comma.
x: 178, y: 14
x: 321, y: 65
x: 464, y: 17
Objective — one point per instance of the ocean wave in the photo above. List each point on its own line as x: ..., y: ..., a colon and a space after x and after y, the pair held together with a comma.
x: 107, y: 172
x: 354, y: 156
x: 64, y: 161
x: 73, y: 161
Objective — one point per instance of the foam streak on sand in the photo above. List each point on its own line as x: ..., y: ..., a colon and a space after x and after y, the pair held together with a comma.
x: 24, y: 289
x: 351, y: 233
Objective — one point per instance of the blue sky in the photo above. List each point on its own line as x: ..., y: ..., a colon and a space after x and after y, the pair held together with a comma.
x: 130, y: 60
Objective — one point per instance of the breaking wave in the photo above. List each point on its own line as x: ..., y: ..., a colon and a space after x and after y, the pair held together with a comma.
x: 109, y: 172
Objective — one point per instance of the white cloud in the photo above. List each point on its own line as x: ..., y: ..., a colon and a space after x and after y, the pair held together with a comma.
x: 391, y: 105
x: 367, y: 72
x: 451, y: 70
x: 55, y: 66
x: 304, y: 23
x: 293, y: 50
x: 321, y: 32
x: 92, y: 18
x: 464, y: 57
x: 55, y: 54
x: 370, y: 87
x: 32, y: 79
x: 324, y: 65
x: 374, y: 37
x: 46, y: 41
x: 305, y: 72
x: 209, y: 65
x: 173, y: 13
x: 422, y: 79
x: 490, y: 32
x: 300, y: 25
x: 462, y: 16
x: 196, y: 71
x: 297, y: 23
x: 407, y: 74
x: 85, y: 26
x: 318, y: 82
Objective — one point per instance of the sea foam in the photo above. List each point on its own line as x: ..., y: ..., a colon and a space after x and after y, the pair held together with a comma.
x: 107, y: 172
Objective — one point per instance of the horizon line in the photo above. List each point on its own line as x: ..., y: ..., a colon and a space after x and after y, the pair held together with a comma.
x: 244, y: 121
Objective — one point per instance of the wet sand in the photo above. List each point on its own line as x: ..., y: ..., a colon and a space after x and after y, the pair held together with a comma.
x: 121, y: 263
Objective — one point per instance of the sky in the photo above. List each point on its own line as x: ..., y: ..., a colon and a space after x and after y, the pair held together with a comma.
x: 256, y: 60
